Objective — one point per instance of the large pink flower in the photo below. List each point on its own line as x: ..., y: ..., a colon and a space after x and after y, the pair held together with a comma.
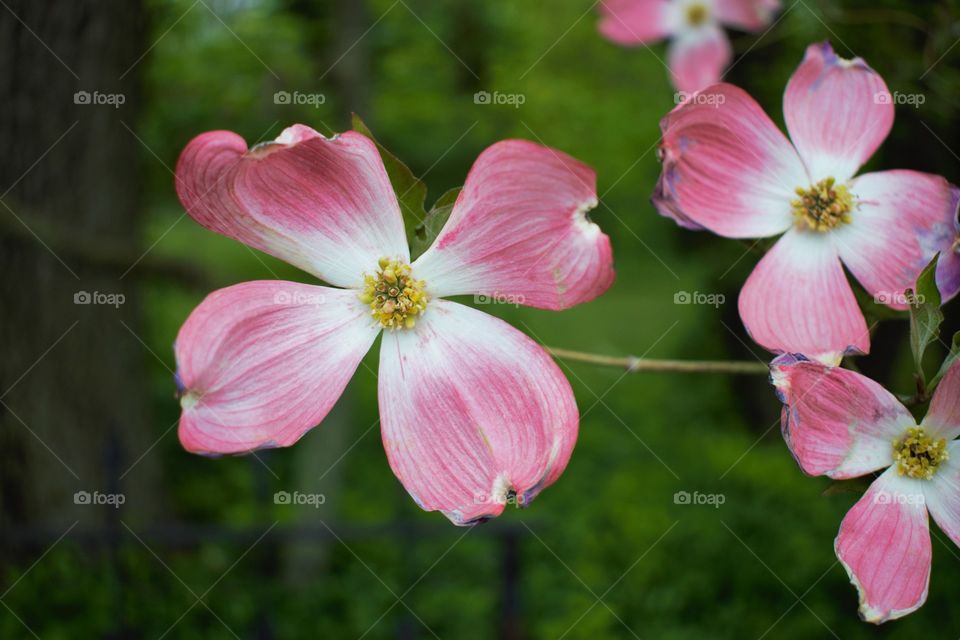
x: 841, y: 424
x: 699, y: 49
x: 471, y: 410
x: 728, y: 169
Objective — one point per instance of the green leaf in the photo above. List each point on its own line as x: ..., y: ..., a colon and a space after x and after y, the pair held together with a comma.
x: 925, y: 314
x: 951, y: 358
x: 411, y: 191
x: 854, y: 485
x: 427, y: 231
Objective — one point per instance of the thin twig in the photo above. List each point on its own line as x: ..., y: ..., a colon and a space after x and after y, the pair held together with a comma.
x: 636, y: 365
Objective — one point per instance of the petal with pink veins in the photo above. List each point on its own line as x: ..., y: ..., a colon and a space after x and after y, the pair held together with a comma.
x: 836, y: 422
x: 519, y: 230
x: 948, y: 269
x: 697, y: 57
x: 798, y: 300
x: 748, y: 15
x: 884, y: 544
x: 837, y: 112
x: 943, y: 416
x: 726, y: 166
x: 322, y: 204
x: 473, y: 413
x: 634, y: 22
x: 901, y: 220
x: 261, y: 363
x: 942, y: 494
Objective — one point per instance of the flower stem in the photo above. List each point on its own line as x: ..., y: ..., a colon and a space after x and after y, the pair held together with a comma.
x: 636, y: 365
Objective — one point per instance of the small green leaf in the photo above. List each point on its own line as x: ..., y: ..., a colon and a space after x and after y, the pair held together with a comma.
x: 854, y: 485
x: 925, y: 314
x: 951, y: 358
x: 411, y: 191
x: 426, y: 232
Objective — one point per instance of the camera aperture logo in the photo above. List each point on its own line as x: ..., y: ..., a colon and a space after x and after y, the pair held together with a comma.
x: 699, y: 499
x: 114, y: 100
x: 299, y: 499
x: 96, y: 498
x: 715, y: 300
x: 299, y: 98
x: 511, y: 99
x: 99, y: 298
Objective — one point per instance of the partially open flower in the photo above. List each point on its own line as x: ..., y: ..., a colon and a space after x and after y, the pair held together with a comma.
x: 728, y: 169
x: 699, y: 49
x: 471, y: 409
x: 841, y: 424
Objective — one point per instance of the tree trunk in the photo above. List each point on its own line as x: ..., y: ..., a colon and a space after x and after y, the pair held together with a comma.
x: 73, y: 395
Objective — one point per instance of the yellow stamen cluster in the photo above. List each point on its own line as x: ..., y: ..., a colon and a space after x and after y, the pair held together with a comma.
x: 918, y: 455
x: 697, y: 14
x: 824, y: 206
x: 394, y: 296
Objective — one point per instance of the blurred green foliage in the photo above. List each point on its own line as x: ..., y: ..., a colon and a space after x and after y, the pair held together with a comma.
x: 606, y: 552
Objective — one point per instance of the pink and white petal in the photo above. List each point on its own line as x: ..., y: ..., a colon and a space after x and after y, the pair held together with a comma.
x: 836, y: 422
x: 943, y: 416
x: 261, y: 363
x: 519, y: 229
x: 903, y: 218
x: 697, y: 58
x: 948, y: 269
x: 472, y: 411
x: 748, y: 15
x: 322, y: 204
x: 635, y: 22
x: 942, y: 494
x: 798, y: 300
x: 726, y: 166
x: 837, y: 112
x: 884, y: 544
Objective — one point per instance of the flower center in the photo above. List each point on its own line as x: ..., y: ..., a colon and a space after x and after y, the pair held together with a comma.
x: 697, y: 14
x: 918, y: 455
x: 822, y: 207
x: 394, y: 296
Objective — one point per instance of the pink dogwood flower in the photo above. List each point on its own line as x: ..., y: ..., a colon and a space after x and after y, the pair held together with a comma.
x: 728, y: 169
x: 699, y: 49
x: 841, y: 424
x: 472, y: 411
